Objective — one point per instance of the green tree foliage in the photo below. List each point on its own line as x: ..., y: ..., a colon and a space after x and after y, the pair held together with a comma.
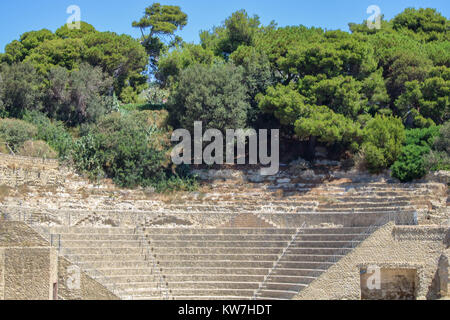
x: 336, y: 54
x: 53, y: 133
x: 327, y: 127
x: 352, y: 75
x: 422, y: 137
x: 424, y: 23
x: 383, y: 139
x: 429, y: 98
x: 348, y: 91
x: 78, y: 96
x: 131, y: 149
x: 412, y: 164
x: 364, y: 29
x: 409, y: 48
x: 276, y: 43
x: 439, y: 156
x: 374, y: 90
x: 215, y: 95
x: 65, y: 33
x: 174, y: 62
x: 258, y: 78
x: 329, y: 79
x: 160, y: 22
x: 237, y: 30
x: 120, y: 56
x: 341, y: 94
x: 66, y: 53
x: 285, y: 103
x: 16, y: 51
x: 310, y: 122
x: 439, y: 52
x: 20, y: 89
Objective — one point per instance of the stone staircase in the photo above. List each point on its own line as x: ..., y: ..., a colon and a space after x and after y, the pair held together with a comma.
x: 351, y: 204
x: 118, y: 258
x: 233, y: 239
x: 222, y: 264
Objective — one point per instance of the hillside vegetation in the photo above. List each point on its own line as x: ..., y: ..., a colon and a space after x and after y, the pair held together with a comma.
x: 108, y: 103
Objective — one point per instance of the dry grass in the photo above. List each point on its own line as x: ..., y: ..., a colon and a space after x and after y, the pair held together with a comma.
x: 5, y: 191
x: 84, y: 194
x: 328, y: 200
x: 23, y: 189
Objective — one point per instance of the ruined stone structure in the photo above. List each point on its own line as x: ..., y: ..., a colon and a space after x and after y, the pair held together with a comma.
x: 409, y: 261
x: 241, y: 236
x: 30, y: 269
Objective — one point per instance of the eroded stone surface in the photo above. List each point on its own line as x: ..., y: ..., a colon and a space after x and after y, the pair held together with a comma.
x: 317, y: 200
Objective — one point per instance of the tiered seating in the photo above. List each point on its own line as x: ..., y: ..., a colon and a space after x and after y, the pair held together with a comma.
x: 313, y: 249
x: 205, y: 264
x: 230, y: 240
x: 348, y: 205
x: 234, y: 263
x: 116, y: 257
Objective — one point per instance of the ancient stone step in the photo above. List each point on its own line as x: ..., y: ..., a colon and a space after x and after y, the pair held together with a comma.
x: 278, y: 294
x: 219, y: 238
x: 219, y: 251
x: 216, y: 257
x: 222, y: 244
x: 218, y: 231
x: 216, y: 264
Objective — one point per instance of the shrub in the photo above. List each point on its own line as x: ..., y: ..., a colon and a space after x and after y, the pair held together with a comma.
x: 87, y: 158
x: 215, y: 95
x: 422, y: 137
x: 176, y: 182
x: 140, y: 107
x: 52, y: 132
x: 442, y: 142
x: 383, y: 141
x: 411, y: 164
x: 439, y: 157
x: 3, y: 147
x: 129, y: 96
x: 374, y: 158
x: 436, y: 161
x: 19, y: 89
x: 15, y: 132
x: 37, y: 149
x: 133, y: 149
x: 124, y: 148
x: 155, y: 95
x: 80, y: 96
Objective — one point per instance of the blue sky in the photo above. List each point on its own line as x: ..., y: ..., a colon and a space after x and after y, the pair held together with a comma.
x: 20, y: 16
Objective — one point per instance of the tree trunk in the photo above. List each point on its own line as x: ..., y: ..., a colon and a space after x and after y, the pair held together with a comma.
x: 311, y: 151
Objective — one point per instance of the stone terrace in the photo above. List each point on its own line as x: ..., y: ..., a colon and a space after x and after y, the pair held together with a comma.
x: 242, y: 236
x: 204, y: 263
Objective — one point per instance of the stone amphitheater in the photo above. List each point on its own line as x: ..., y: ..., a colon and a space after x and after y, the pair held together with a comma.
x: 307, y: 233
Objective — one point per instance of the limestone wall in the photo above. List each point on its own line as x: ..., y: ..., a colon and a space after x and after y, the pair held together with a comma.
x: 83, y: 288
x: 16, y: 171
x: 27, y: 273
x: 390, y: 248
x: 29, y: 269
x: 18, y: 234
x: 395, y: 284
